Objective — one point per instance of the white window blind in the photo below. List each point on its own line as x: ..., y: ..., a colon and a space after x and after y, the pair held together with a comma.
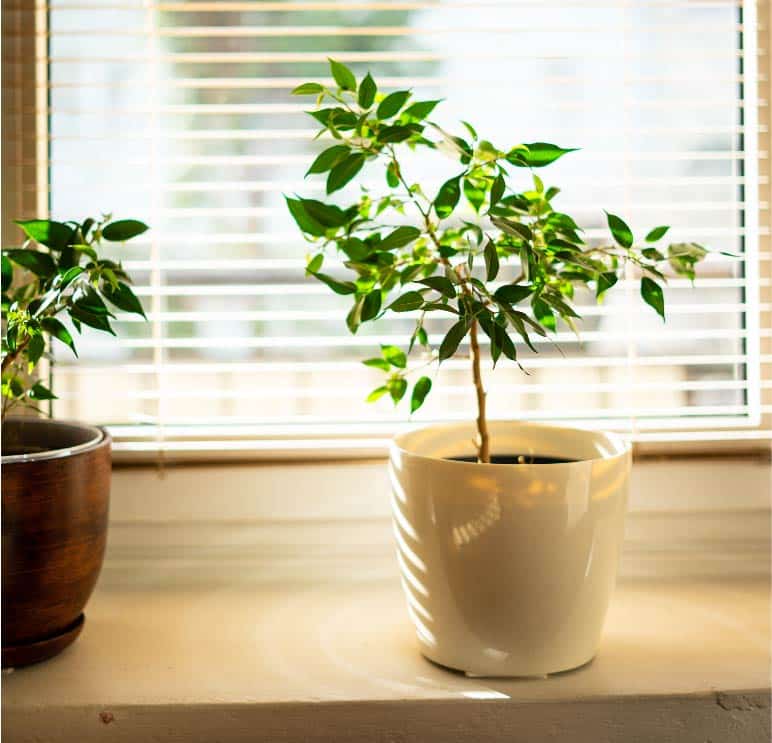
x: 180, y: 114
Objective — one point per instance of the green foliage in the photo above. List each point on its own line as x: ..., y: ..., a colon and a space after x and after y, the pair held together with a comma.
x: 413, y: 251
x: 60, y: 275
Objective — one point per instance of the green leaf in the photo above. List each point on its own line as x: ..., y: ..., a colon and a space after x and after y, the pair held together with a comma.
x: 329, y: 158
x: 308, y: 89
x: 327, y: 215
x: 377, y: 394
x: 343, y: 75
x: 355, y: 249
x: 500, y: 341
x: 619, y: 229
x: 652, y: 294
x: 420, y: 109
x: 371, y: 305
x: 497, y: 189
x: 7, y: 273
x: 124, y: 229
x: 605, y: 282
x: 690, y: 251
x: 40, y: 392
x: 11, y: 337
x: 399, y: 238
x: 339, y: 287
x: 396, y: 133
x: 304, y: 220
x: 505, y: 343
x: 555, y: 301
x: 56, y: 329
x: 354, y: 319
x: 344, y: 171
x: 13, y: 386
x: 440, y: 284
x: 381, y: 364
x: 124, y: 298
x: 334, y: 118
x: 472, y: 131
x: 407, y: 302
x: 419, y: 334
x: 41, y: 264
x: 395, y: 356
x: 511, y: 227
x: 652, y: 254
x: 475, y: 195
x: 367, y: 91
x: 684, y: 256
x: 35, y: 349
x: 98, y: 322
x: 397, y: 388
x: 315, y: 263
x: 536, y: 154
x: 439, y: 307
x: 447, y: 197
x: 420, y: 390
x: 544, y: 314
x: 656, y: 234
x: 410, y: 272
x: 54, y: 235
x: 86, y: 226
x: 512, y: 293
x: 392, y: 175
x: 69, y: 276
x: 518, y: 320
x: 87, y: 299
x: 72, y: 252
x: 452, y: 339
x: 392, y: 103
x: 492, y: 264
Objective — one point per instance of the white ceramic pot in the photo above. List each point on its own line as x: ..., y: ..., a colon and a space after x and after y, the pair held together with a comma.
x: 508, y: 568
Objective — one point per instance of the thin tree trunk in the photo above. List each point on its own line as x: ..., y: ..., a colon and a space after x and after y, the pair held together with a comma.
x: 11, y: 357
x: 483, y: 444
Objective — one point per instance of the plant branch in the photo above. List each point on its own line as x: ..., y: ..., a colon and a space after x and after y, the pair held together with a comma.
x: 11, y: 357
x: 483, y: 443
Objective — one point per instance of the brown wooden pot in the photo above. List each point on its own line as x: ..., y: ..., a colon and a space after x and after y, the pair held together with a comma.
x: 55, y: 499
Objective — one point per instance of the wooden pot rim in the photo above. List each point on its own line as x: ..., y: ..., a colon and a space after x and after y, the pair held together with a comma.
x: 94, y: 437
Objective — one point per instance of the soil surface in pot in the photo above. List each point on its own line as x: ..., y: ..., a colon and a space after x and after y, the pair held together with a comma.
x: 518, y: 459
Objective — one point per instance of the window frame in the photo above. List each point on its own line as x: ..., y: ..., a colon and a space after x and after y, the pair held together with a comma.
x: 27, y: 189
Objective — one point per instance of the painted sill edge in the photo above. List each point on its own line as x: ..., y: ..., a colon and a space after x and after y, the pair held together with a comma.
x: 298, y: 450
x: 710, y: 715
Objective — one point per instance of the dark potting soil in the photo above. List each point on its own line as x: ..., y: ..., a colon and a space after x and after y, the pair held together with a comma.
x: 518, y: 459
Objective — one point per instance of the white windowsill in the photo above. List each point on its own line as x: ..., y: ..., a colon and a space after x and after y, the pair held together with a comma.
x: 244, y: 603
x: 336, y: 661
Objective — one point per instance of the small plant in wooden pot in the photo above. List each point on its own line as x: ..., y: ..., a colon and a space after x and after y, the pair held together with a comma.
x: 508, y: 532
x: 55, y: 474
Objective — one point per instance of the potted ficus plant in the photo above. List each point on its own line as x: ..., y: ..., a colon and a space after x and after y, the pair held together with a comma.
x: 508, y: 532
x: 55, y: 474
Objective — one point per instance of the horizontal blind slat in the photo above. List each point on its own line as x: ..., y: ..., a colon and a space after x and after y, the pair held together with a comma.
x: 172, y: 367
x: 242, y: 31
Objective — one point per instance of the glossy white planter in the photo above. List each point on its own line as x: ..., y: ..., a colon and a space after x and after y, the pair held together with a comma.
x: 508, y: 568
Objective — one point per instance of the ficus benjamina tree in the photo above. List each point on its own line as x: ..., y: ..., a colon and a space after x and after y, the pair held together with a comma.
x: 409, y: 249
x: 58, y: 273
